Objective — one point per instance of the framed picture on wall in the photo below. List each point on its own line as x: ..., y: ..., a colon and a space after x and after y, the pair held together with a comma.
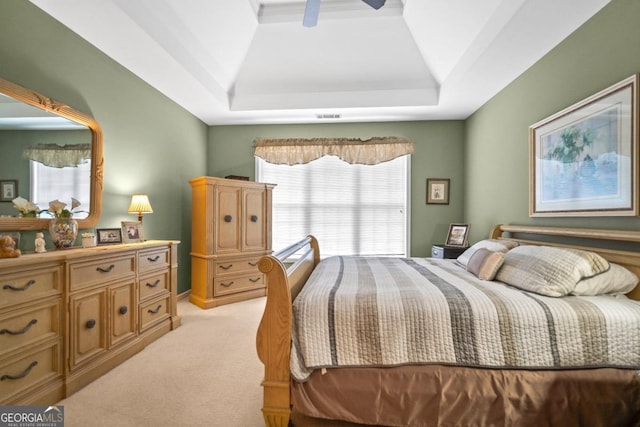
x: 583, y: 160
x: 8, y: 190
x: 437, y: 191
x: 458, y: 235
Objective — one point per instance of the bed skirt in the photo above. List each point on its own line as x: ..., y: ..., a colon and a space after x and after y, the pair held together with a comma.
x: 436, y: 395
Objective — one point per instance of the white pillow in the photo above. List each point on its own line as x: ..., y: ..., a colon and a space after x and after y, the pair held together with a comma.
x: 494, y: 245
x: 548, y: 270
x: 617, y: 280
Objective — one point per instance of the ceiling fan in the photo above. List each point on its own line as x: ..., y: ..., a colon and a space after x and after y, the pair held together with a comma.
x: 312, y: 10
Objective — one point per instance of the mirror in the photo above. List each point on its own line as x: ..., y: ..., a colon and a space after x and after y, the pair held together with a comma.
x: 30, y: 120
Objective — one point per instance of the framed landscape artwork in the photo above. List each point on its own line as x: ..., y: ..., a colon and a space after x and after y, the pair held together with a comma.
x: 583, y: 160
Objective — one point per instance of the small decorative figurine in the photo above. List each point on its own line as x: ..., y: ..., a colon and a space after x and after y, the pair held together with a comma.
x: 40, y: 243
x: 8, y: 248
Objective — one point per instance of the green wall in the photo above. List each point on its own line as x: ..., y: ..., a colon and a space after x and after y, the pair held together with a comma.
x: 439, y: 154
x: 605, y: 50
x: 151, y: 145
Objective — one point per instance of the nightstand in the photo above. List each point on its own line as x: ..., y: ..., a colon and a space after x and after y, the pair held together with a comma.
x: 442, y: 251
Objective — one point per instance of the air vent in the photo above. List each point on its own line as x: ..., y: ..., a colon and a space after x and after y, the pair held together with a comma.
x: 327, y: 116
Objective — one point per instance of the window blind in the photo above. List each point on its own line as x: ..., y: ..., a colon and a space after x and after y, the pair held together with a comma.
x: 352, y: 209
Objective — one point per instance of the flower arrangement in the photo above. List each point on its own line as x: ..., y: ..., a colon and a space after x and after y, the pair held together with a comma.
x: 59, y: 209
x: 26, y: 208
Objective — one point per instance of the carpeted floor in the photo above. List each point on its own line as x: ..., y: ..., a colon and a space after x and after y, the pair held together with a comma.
x: 204, y: 373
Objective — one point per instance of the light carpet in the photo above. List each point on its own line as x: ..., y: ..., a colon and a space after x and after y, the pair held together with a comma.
x: 204, y: 373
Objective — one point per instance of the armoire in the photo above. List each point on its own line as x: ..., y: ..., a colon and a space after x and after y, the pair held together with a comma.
x: 231, y: 230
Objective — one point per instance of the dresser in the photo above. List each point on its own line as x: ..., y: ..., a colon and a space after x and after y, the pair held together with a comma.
x: 231, y: 230
x: 69, y: 316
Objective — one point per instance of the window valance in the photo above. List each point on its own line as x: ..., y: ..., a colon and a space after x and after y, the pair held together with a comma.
x: 295, y: 151
x: 59, y: 156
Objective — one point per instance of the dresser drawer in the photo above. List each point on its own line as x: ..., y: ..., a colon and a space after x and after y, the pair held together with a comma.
x: 27, y: 286
x: 229, y: 285
x: 236, y: 265
x: 28, y: 326
x: 85, y: 274
x: 153, y: 260
x: 154, y: 312
x: 31, y: 370
x: 151, y: 286
x: 441, y: 251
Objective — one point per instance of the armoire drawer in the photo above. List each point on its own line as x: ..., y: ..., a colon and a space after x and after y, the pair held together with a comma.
x: 236, y: 265
x: 28, y: 326
x: 229, y: 285
x: 27, y: 286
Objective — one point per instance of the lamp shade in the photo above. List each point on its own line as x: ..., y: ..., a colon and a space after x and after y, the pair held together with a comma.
x: 140, y: 204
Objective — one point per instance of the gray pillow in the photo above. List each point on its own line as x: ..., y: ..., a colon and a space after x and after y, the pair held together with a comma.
x: 494, y: 245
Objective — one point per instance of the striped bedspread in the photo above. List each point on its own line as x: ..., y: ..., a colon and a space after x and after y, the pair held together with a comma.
x: 389, y: 311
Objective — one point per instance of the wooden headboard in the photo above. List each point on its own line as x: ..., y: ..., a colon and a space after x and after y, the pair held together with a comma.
x: 601, y: 241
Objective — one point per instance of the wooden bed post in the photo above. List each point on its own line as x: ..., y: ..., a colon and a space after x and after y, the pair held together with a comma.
x: 273, y: 343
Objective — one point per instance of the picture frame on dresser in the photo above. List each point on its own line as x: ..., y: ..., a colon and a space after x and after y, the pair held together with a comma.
x: 132, y: 231
x: 458, y: 236
x: 109, y: 236
x: 583, y: 159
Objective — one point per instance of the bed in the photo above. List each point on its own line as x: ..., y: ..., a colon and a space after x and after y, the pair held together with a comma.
x: 572, y: 360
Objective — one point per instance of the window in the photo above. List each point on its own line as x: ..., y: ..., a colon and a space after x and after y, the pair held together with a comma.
x: 51, y: 183
x: 351, y: 209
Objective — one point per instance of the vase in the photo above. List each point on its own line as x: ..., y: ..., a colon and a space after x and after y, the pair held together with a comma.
x: 63, y: 232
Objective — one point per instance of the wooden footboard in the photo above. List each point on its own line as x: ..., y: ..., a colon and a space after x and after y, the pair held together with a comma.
x: 286, y: 273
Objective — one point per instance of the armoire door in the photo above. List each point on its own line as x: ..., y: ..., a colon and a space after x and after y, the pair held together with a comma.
x: 228, y: 219
x: 254, y: 220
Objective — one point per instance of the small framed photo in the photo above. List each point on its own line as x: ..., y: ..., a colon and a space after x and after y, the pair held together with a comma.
x: 132, y: 231
x: 458, y: 235
x: 437, y: 191
x: 109, y: 236
x: 8, y: 190
x: 14, y: 235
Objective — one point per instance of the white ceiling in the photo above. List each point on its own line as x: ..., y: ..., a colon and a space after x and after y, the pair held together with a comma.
x: 252, y: 61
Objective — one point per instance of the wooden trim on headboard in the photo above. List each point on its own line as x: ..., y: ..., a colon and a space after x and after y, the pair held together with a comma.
x: 627, y: 258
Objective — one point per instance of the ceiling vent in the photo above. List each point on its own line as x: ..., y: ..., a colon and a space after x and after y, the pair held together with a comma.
x: 327, y: 116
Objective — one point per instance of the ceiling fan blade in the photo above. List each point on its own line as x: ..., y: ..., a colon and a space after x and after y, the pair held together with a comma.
x: 311, y: 12
x: 376, y: 4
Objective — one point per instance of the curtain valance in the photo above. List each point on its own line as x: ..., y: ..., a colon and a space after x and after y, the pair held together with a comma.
x: 59, y: 156
x: 295, y: 151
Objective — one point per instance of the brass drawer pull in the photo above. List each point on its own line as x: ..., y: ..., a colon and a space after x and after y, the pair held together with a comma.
x: 22, y: 375
x: 153, y: 285
x: 106, y: 270
x: 23, y: 288
x: 20, y: 332
x: 253, y: 264
x: 257, y: 279
x: 154, y: 259
x: 123, y: 310
x: 91, y: 323
x: 226, y: 285
x: 226, y: 267
x: 228, y: 218
x: 254, y: 218
x: 156, y: 310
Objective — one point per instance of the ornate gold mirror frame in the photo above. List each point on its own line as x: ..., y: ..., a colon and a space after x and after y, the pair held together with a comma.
x: 97, y: 162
